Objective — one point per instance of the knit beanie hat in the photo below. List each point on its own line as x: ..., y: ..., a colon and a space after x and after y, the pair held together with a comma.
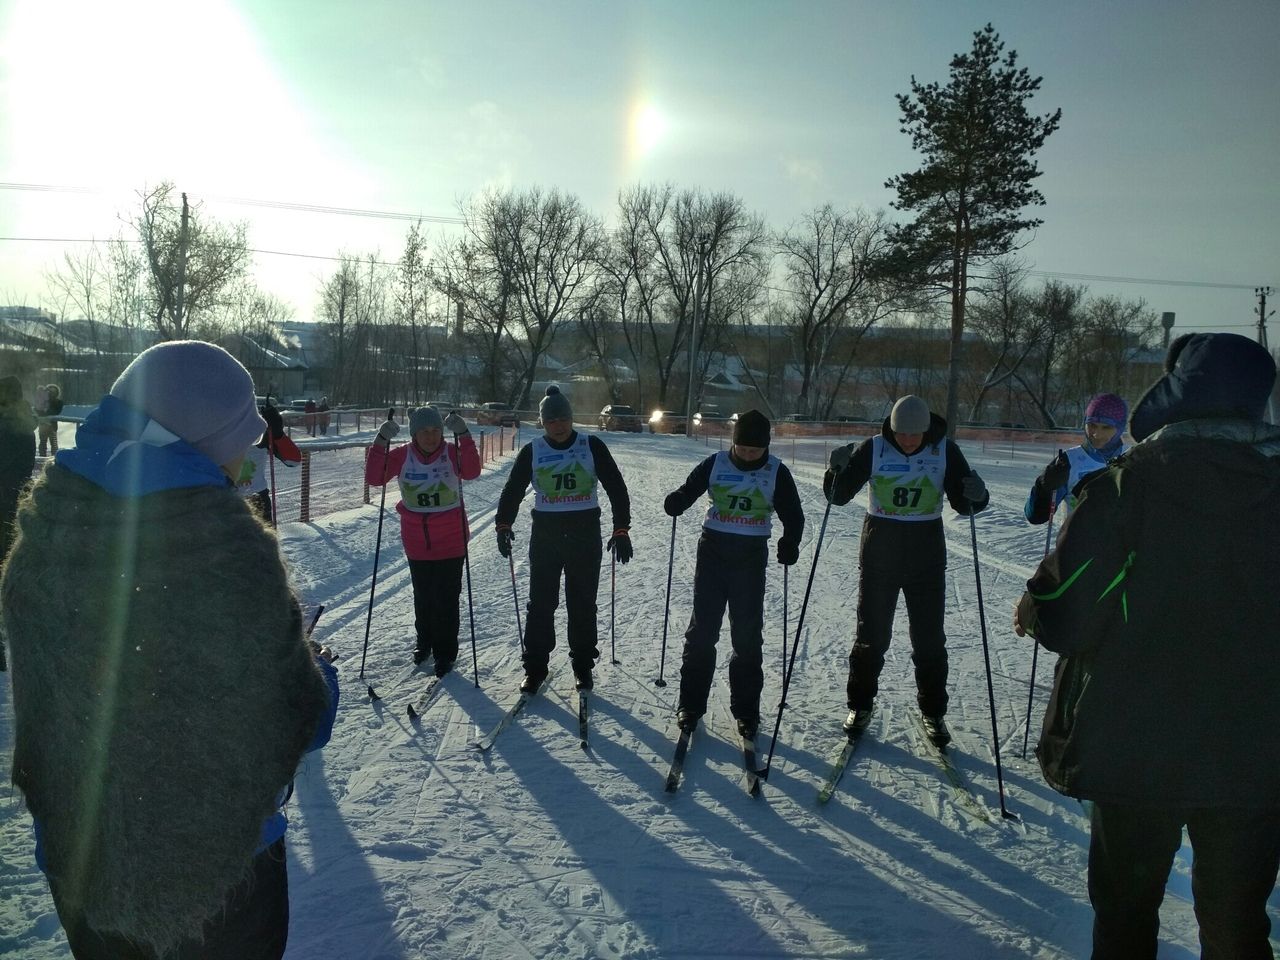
x: 751, y: 429
x: 198, y: 391
x: 424, y: 418
x: 554, y: 406
x: 1107, y: 408
x: 910, y: 415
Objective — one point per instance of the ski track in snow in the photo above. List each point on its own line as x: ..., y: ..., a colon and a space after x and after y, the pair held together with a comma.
x: 406, y: 842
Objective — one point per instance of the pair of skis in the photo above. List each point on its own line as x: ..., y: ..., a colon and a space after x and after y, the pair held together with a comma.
x: 961, y: 791
x: 751, y: 773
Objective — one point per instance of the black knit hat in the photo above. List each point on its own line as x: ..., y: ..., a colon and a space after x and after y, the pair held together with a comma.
x: 751, y: 429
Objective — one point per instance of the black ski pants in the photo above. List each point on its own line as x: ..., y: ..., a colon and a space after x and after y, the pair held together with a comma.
x: 730, y: 572
x: 568, y: 545
x: 1236, y: 859
x: 437, y: 584
x: 253, y: 923
x: 911, y: 557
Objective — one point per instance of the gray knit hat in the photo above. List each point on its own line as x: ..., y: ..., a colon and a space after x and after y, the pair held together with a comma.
x: 423, y: 418
x: 910, y: 415
x: 198, y: 391
x: 554, y: 406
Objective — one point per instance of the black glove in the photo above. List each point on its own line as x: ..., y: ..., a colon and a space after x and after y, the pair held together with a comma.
x: 840, y: 457
x: 788, y: 551
x: 973, y: 488
x: 1057, y: 473
x: 673, y: 505
x: 505, y: 536
x: 620, y: 544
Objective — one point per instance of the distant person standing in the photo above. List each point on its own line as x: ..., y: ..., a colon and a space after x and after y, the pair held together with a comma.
x: 309, y: 416
x: 433, y: 524
x: 1161, y: 600
x: 908, y: 468
x: 322, y: 414
x: 565, y: 468
x: 746, y: 486
x: 48, y: 404
x: 1104, y: 422
x: 17, y: 454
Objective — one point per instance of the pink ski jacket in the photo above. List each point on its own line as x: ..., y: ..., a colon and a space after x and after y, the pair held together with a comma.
x: 427, y: 536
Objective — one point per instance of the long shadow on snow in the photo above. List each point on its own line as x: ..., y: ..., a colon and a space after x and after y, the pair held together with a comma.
x: 318, y: 897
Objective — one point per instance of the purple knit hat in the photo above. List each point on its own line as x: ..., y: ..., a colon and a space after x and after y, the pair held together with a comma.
x: 1109, y: 409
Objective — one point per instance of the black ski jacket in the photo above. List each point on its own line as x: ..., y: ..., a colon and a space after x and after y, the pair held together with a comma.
x: 1163, y: 598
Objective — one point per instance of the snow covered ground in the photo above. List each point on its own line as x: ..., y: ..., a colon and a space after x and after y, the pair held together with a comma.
x: 406, y: 842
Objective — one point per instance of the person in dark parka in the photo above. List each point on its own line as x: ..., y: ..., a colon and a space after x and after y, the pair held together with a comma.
x: 1161, y: 600
x: 746, y: 486
x: 909, y: 467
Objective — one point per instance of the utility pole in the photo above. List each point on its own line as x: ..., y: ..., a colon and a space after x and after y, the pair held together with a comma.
x: 691, y: 395
x: 178, y: 326
x: 1262, y: 293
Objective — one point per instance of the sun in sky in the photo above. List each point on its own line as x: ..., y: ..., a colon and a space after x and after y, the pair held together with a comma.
x: 647, y: 128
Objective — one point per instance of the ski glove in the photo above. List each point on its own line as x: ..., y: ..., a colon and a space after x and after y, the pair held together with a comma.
x: 387, y: 432
x: 788, y: 551
x: 505, y: 536
x: 973, y: 488
x: 620, y: 544
x: 455, y: 424
x: 673, y: 505
x: 840, y: 457
x: 1057, y: 473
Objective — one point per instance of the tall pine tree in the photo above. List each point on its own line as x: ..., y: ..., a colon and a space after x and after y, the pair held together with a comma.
x: 977, y: 139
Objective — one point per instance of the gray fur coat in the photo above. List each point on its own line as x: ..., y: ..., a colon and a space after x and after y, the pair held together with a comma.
x: 161, y: 704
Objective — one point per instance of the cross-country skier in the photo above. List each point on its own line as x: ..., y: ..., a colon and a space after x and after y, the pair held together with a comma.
x: 1104, y: 422
x: 1161, y: 600
x: 433, y: 524
x: 909, y: 467
x: 162, y: 706
x: 746, y: 486
x: 255, y: 474
x: 565, y: 468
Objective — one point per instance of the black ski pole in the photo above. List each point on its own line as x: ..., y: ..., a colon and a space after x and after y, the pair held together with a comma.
x: 466, y: 562
x: 1035, y: 649
x: 377, y: 549
x: 271, y: 461
x: 795, y: 644
x: 785, y: 570
x: 613, y: 608
x: 666, y: 614
x: 515, y: 595
x: 986, y: 657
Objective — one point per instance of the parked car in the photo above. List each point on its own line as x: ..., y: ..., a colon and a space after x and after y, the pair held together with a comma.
x: 797, y: 418
x: 709, y: 413
x: 495, y: 414
x: 666, y: 421
x: 444, y: 406
x: 619, y: 416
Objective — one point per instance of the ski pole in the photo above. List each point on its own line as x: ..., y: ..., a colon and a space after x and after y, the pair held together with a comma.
x: 785, y: 570
x: 986, y: 657
x: 613, y: 608
x: 377, y: 549
x: 1035, y: 649
x: 795, y: 644
x: 466, y: 562
x: 666, y: 614
x: 515, y: 595
x: 271, y: 461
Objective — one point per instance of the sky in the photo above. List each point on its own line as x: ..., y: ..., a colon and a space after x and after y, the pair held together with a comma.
x: 1164, y: 168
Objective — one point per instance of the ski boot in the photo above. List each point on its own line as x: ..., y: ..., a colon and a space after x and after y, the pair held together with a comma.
x: 857, y: 722
x: 935, y: 729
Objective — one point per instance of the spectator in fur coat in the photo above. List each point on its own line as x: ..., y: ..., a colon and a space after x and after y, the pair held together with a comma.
x: 162, y: 707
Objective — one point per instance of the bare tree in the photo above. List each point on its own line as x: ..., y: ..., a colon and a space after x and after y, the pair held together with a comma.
x: 828, y: 261
x: 412, y: 285
x: 1057, y: 312
x: 1006, y: 326
x: 216, y: 257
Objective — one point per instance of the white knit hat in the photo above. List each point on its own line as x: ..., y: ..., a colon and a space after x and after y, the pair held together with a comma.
x: 198, y: 391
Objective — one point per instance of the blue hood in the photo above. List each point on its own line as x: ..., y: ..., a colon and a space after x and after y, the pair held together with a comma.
x: 129, y: 455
